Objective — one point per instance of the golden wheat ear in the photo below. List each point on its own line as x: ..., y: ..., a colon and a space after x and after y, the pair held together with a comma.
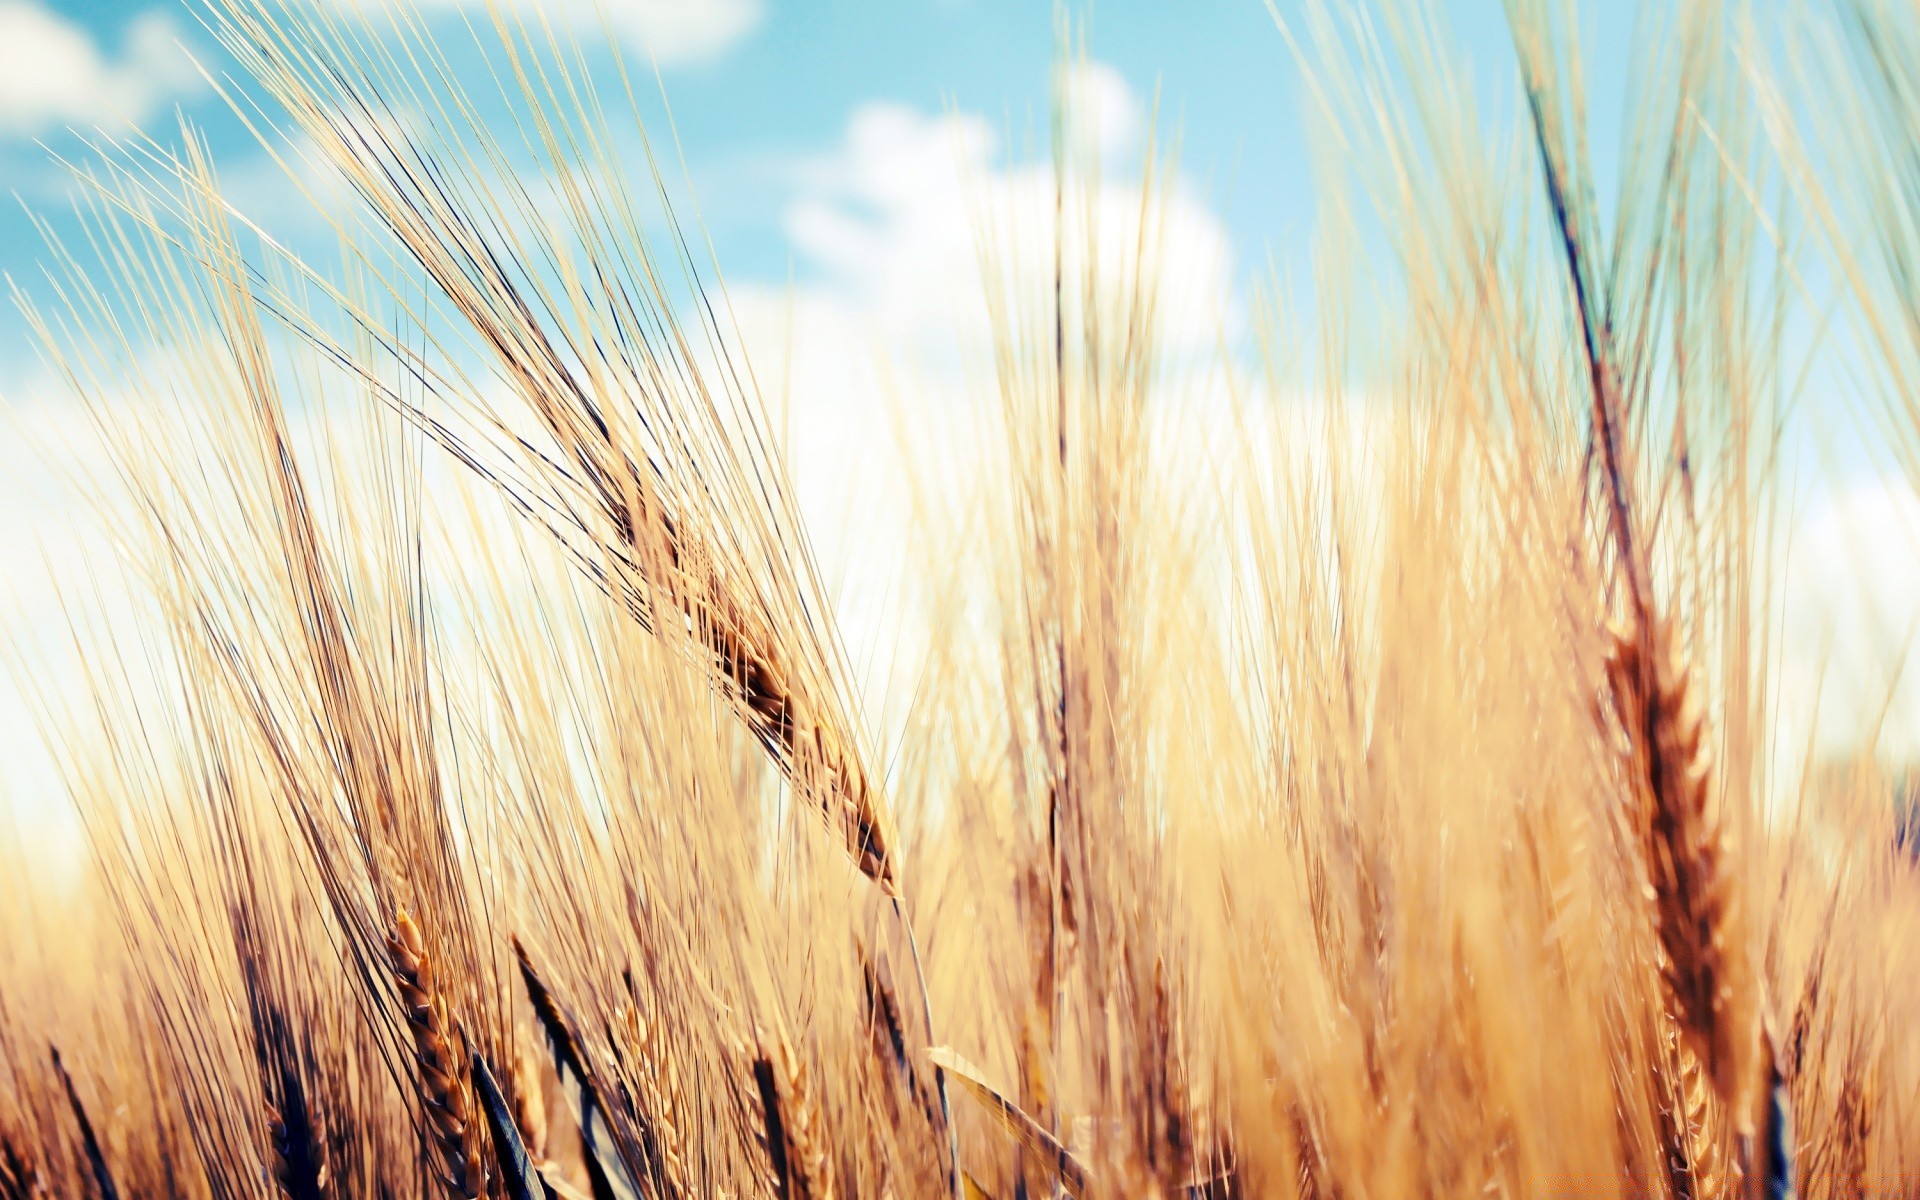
x: 1688, y: 853
x: 1030, y: 1133
x: 795, y: 1142
x: 445, y: 1089
x: 89, y: 1142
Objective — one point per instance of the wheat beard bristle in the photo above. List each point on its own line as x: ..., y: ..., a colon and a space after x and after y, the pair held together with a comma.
x: 445, y: 1086
x: 1690, y: 873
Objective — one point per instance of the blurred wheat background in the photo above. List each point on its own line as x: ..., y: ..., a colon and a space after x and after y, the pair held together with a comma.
x: 504, y: 712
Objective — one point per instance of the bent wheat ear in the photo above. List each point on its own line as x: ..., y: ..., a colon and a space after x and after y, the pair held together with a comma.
x: 655, y: 477
x: 1031, y: 1134
x: 445, y: 1088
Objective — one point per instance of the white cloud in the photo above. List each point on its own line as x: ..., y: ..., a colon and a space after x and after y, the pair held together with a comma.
x: 52, y: 73
x: 1850, y: 665
x: 883, y: 362
x: 1102, y: 100
x: 893, y: 219
x: 672, y: 31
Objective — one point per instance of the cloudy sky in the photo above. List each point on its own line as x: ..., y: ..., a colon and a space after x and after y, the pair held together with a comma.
x: 768, y: 94
x: 791, y: 112
x: 826, y: 142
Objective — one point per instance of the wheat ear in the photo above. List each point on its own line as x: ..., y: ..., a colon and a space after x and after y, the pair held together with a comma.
x: 656, y: 1106
x: 796, y: 1142
x: 1691, y: 874
x: 519, y: 1178
x: 19, y: 1178
x: 299, y: 1170
x: 446, y: 1088
x: 600, y: 1151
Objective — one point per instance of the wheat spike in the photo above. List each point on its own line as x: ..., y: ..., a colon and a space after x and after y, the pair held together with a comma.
x: 445, y: 1085
x: 19, y: 1178
x: 520, y: 1178
x: 802, y: 1162
x: 299, y: 1173
x: 1697, y: 1156
x: 655, y: 1080
x: 1688, y: 853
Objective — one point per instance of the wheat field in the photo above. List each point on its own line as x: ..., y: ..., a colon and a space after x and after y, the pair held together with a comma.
x: 1372, y: 787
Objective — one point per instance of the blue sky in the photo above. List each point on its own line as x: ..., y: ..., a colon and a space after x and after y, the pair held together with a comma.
x: 775, y: 83
x: 827, y: 142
